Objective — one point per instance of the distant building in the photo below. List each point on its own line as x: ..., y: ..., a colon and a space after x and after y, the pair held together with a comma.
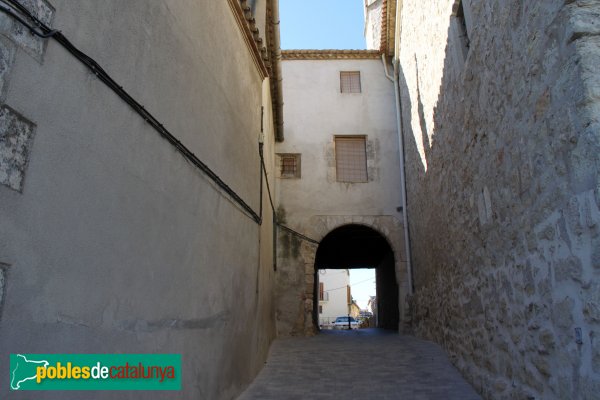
x: 372, y: 305
x: 335, y: 297
x: 354, y: 309
x: 338, y: 179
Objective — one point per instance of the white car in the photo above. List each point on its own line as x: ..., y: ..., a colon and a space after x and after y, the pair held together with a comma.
x: 342, y: 323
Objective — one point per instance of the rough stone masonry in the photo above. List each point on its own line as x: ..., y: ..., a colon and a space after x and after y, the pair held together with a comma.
x: 501, y: 112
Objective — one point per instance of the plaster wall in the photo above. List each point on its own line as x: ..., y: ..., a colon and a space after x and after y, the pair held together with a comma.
x: 315, y: 111
x: 335, y: 283
x: 373, y: 17
x: 502, y: 143
x: 112, y: 242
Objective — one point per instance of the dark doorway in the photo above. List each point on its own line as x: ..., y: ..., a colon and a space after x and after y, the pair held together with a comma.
x: 358, y: 246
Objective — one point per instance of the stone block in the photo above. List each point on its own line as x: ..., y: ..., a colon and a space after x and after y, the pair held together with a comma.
x: 570, y: 268
x: 7, y: 55
x: 596, y: 351
x: 17, y: 32
x: 16, y: 136
x: 562, y: 313
x: 2, y: 285
x: 591, y: 305
x: 547, y: 341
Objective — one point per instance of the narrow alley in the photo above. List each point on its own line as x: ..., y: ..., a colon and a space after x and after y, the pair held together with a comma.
x: 363, y: 363
x: 283, y: 199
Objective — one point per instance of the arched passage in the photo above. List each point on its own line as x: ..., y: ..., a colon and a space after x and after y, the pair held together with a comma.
x: 359, y: 246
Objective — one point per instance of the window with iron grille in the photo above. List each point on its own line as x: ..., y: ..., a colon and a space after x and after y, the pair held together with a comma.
x: 351, y: 158
x: 350, y: 82
x: 289, y: 165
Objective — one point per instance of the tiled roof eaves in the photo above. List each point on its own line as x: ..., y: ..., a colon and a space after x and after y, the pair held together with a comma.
x: 388, y: 22
x: 384, y: 32
x: 329, y: 54
x: 252, y: 37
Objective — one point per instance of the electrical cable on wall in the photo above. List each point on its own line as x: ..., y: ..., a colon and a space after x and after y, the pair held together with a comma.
x: 40, y: 29
x: 353, y: 284
x: 137, y: 107
x: 285, y: 228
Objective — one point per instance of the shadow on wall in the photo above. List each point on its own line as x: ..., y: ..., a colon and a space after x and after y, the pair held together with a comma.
x: 502, y: 203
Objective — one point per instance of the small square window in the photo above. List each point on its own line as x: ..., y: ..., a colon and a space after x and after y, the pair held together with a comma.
x: 351, y: 158
x: 289, y: 165
x: 350, y: 82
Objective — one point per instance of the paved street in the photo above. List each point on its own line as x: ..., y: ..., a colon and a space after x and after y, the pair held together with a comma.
x: 361, y: 364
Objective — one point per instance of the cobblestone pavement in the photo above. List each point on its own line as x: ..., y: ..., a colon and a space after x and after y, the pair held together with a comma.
x: 359, y: 364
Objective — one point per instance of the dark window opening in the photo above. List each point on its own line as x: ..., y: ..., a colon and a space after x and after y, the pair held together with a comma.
x: 289, y: 165
x: 462, y: 26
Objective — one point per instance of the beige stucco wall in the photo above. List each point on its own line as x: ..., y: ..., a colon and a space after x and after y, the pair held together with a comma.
x: 503, y: 190
x: 314, y: 112
x: 114, y: 242
x: 335, y: 304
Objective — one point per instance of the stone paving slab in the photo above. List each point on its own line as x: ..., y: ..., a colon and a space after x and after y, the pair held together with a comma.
x: 359, y: 364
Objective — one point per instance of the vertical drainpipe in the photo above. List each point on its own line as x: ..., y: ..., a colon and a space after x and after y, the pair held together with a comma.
x: 276, y: 62
x: 277, y: 68
x: 395, y: 80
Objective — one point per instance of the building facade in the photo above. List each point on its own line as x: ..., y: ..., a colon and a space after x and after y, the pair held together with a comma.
x: 113, y: 237
x: 341, y: 132
x: 334, y: 295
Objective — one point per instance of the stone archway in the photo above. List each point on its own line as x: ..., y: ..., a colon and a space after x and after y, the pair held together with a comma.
x: 295, y: 290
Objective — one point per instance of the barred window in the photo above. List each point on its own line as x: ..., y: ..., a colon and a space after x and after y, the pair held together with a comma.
x: 351, y: 158
x: 289, y: 165
x: 350, y: 82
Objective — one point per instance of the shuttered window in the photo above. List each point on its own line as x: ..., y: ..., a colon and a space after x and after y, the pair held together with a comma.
x: 351, y: 158
x: 321, y: 291
x: 350, y: 82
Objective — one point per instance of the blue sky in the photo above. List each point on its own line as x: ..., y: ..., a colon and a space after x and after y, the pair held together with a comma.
x: 362, y: 283
x: 322, y: 24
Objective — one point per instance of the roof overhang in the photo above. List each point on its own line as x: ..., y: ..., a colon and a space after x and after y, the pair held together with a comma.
x: 388, y: 27
x: 330, y: 54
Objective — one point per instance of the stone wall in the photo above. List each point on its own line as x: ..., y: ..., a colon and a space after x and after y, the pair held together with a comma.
x: 294, y: 291
x: 110, y: 240
x: 502, y: 137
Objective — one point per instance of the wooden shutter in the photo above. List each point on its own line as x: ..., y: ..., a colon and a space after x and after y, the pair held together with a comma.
x: 350, y: 82
x: 351, y: 159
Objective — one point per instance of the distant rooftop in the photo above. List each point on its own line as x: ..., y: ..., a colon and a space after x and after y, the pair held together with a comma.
x: 329, y: 54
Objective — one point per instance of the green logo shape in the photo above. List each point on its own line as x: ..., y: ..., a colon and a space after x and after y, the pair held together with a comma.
x: 95, y: 372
